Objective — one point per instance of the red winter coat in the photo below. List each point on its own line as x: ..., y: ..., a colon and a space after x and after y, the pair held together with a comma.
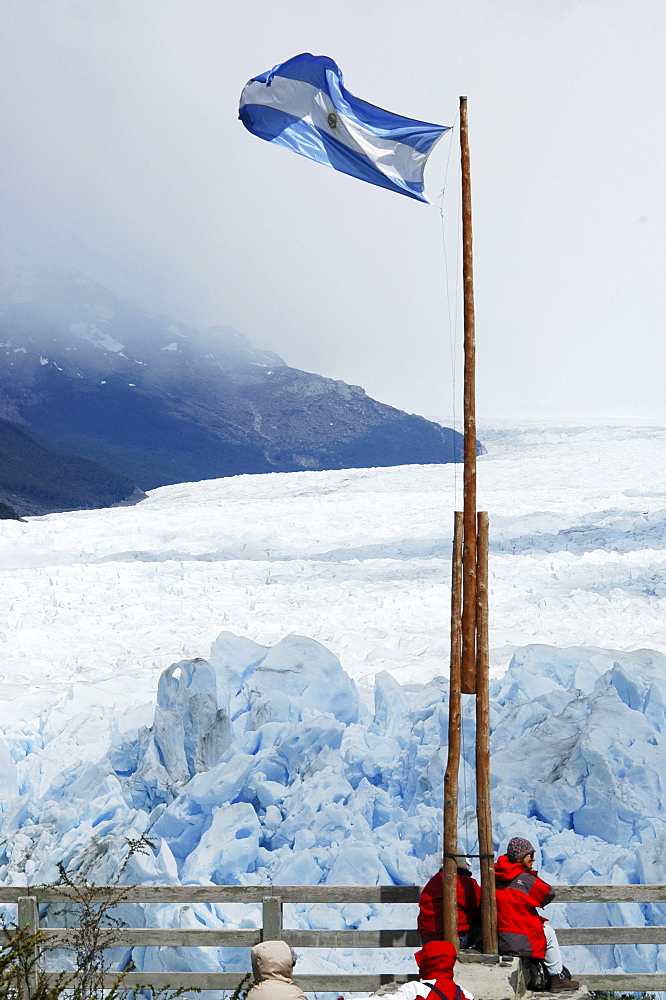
x: 435, y: 961
x: 468, y: 896
x: 518, y: 894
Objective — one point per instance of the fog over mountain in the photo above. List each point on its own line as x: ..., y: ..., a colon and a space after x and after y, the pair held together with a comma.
x: 162, y: 402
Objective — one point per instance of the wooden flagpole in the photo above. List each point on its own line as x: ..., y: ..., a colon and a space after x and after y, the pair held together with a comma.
x: 469, y: 621
x: 468, y: 668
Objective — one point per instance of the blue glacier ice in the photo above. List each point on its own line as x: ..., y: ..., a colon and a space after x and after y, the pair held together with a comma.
x: 267, y: 766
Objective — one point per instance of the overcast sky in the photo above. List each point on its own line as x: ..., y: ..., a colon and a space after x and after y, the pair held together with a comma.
x: 122, y: 156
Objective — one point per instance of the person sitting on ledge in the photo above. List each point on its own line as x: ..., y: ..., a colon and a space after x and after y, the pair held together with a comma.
x: 523, y: 931
x: 272, y: 965
x: 435, y: 960
x: 430, y: 923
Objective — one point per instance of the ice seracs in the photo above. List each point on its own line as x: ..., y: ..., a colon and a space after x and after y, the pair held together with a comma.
x: 263, y: 765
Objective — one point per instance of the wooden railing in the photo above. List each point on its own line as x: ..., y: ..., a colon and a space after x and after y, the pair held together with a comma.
x: 272, y: 900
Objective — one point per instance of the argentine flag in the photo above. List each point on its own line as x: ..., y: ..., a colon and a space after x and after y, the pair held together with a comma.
x: 303, y: 105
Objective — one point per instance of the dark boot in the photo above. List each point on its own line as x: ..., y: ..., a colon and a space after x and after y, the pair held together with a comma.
x: 563, y: 981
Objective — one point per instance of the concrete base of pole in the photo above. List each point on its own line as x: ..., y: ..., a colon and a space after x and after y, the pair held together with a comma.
x: 492, y: 977
x: 489, y: 977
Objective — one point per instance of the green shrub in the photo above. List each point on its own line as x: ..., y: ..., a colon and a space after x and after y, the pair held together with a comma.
x: 89, y: 917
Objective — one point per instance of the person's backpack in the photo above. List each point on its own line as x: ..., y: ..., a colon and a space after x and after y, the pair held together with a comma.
x: 537, y: 977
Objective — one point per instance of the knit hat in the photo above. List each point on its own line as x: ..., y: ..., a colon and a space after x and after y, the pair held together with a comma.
x: 517, y: 848
x: 463, y: 862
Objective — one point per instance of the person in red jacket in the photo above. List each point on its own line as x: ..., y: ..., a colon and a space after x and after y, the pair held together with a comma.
x: 435, y: 960
x: 468, y: 896
x: 523, y: 931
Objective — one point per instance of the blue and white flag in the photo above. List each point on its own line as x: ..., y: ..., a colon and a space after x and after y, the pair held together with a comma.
x: 303, y: 105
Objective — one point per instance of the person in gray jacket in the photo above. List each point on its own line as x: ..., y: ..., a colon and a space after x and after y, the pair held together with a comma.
x: 272, y: 965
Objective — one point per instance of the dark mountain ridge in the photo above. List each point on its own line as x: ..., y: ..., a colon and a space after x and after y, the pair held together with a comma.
x: 35, y: 480
x: 164, y: 403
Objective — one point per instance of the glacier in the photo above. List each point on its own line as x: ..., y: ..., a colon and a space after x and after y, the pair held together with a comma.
x: 265, y: 765
x: 249, y: 672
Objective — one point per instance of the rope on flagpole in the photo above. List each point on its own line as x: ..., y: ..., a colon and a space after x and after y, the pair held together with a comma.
x: 452, y: 320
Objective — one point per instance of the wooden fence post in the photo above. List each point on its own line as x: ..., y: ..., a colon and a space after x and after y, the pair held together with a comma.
x: 272, y: 918
x: 28, y: 921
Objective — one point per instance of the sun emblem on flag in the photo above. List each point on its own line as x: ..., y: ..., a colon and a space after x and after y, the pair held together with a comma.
x: 333, y: 121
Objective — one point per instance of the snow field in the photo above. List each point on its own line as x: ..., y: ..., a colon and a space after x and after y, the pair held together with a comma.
x: 359, y: 560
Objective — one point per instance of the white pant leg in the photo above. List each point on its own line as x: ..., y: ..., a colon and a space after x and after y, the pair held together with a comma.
x: 553, y: 956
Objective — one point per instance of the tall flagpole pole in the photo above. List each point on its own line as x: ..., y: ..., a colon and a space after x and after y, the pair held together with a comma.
x: 469, y: 620
x: 468, y: 667
x: 463, y: 571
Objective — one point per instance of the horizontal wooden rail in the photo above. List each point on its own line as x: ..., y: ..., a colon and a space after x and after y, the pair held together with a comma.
x: 229, y: 980
x: 649, y: 982
x: 343, y: 983
x: 610, y: 935
x: 168, y: 937
x: 610, y: 893
x: 161, y: 937
x: 223, y: 893
x: 312, y: 893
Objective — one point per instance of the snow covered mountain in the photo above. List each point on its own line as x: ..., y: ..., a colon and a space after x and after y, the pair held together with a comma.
x: 163, y: 403
x: 249, y: 671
